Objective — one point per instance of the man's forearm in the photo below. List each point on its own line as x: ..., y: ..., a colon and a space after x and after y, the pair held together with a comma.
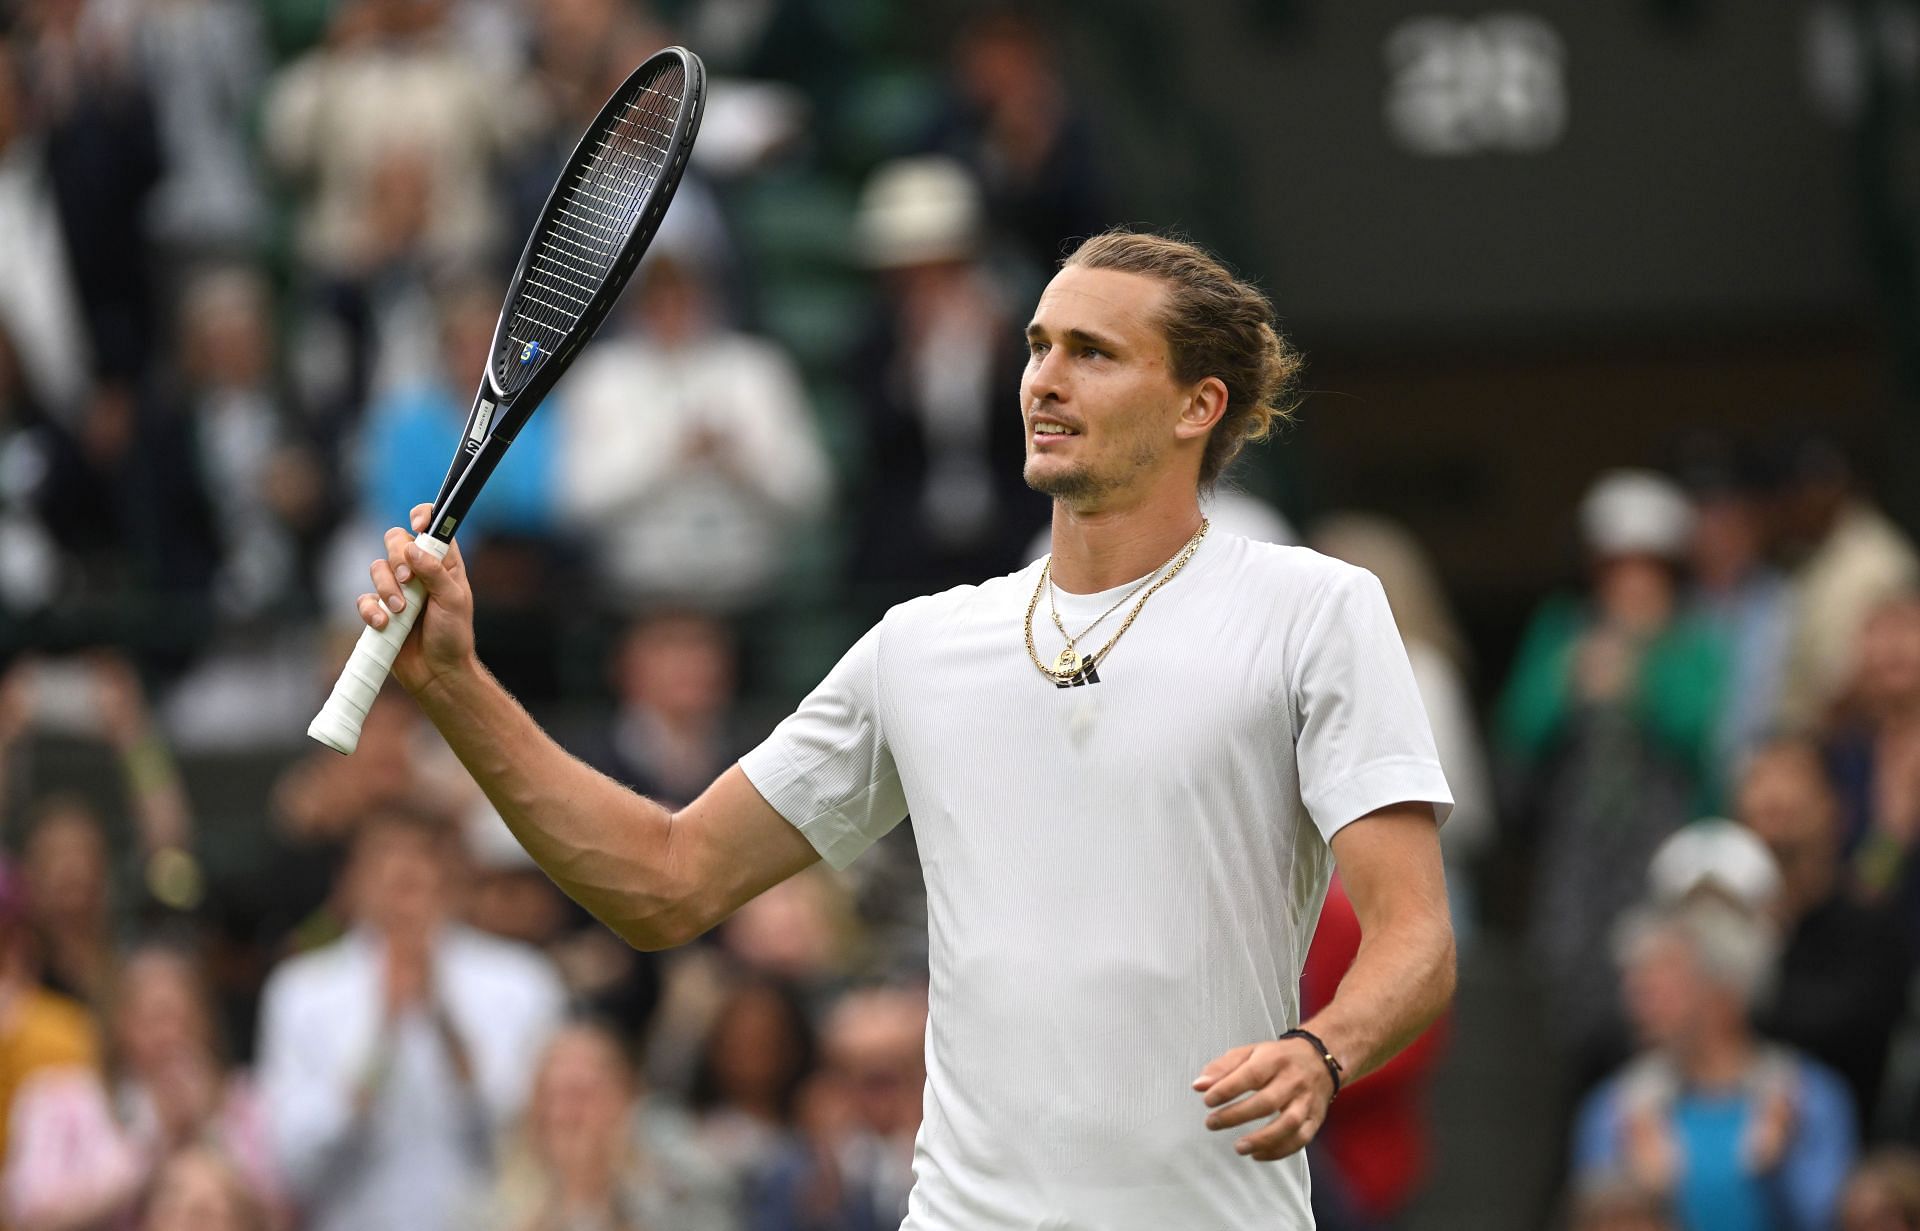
x: 608, y: 848
x: 1400, y: 981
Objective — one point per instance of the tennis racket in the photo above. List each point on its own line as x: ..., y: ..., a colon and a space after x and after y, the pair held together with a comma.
x: 598, y: 220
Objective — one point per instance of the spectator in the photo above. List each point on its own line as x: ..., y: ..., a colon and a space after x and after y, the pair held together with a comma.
x: 1875, y: 752
x: 198, y: 1190
x: 389, y: 1058
x: 104, y: 161
x: 1017, y: 126
x: 390, y: 88
x: 173, y: 1091
x: 797, y: 932
x: 49, y: 354
x: 1743, y: 1135
x: 1744, y: 599
x: 593, y: 1156
x: 316, y: 805
x: 1626, y: 645
x: 411, y: 431
x: 97, y: 697
x: 64, y: 1162
x: 689, y: 452
x: 207, y: 62
x: 853, y: 1166
x: 942, y: 498
x: 1439, y: 656
x: 1883, y: 1194
x: 252, y: 502
x: 582, y: 51
x: 674, y: 731
x: 391, y: 132
x: 263, y: 485
x: 69, y: 885
x: 748, y: 1078
x: 1608, y: 713
x: 1842, y: 982
x: 39, y: 497
x: 1848, y: 558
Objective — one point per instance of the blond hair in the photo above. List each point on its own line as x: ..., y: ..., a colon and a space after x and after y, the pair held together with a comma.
x: 1216, y: 325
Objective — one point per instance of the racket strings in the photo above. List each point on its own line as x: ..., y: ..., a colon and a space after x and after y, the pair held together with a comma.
x: 597, y: 211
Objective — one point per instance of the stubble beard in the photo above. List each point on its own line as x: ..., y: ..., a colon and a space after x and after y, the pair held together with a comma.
x: 1081, y: 485
x: 1073, y: 484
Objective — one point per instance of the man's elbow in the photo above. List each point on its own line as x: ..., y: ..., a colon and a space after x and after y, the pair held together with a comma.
x: 664, y: 924
x: 1446, y: 964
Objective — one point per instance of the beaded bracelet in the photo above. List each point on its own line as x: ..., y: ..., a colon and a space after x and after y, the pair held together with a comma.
x: 1333, y: 1066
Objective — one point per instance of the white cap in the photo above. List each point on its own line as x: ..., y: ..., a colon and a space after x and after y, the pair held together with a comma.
x: 915, y: 211
x: 1715, y: 854
x: 1636, y: 512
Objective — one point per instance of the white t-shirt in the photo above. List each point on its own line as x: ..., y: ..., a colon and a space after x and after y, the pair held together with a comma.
x: 1122, y: 877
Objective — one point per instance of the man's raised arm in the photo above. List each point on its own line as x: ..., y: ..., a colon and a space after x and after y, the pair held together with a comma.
x: 657, y: 878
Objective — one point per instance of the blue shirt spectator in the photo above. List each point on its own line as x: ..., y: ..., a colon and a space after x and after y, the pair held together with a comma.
x: 1740, y: 1134
x: 411, y: 434
x: 1716, y: 1186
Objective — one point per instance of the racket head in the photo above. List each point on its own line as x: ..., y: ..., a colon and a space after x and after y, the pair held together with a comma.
x: 604, y: 210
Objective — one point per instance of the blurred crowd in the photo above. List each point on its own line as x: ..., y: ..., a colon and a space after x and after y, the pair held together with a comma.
x: 256, y: 250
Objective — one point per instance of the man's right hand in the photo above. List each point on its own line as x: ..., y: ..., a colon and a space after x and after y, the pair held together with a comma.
x: 442, y: 641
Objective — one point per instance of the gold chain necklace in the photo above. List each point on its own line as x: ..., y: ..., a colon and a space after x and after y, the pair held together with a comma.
x: 1071, y: 666
x: 1073, y: 639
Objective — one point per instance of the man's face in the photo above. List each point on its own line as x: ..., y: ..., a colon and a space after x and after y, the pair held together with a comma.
x: 1097, y: 366
x: 1666, y: 995
x: 1785, y: 800
x: 402, y: 881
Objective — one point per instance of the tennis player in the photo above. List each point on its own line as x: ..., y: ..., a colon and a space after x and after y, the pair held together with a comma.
x: 1131, y: 767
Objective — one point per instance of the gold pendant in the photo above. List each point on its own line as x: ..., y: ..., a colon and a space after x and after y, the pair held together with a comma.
x: 1069, y: 664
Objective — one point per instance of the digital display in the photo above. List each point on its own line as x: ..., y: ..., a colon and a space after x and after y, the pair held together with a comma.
x: 1419, y: 167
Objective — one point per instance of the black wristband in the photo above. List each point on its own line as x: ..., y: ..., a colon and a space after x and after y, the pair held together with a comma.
x: 1326, y: 1054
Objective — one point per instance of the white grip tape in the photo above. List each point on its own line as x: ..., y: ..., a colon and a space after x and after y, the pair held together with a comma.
x: 337, y: 725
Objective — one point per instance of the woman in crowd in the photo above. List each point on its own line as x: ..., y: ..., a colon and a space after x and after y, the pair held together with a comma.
x: 1875, y: 752
x: 171, y: 1089
x: 591, y: 1157
x: 748, y: 1081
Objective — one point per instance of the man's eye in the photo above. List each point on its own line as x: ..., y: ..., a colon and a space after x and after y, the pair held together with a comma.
x: 1092, y: 352
x: 1036, y: 349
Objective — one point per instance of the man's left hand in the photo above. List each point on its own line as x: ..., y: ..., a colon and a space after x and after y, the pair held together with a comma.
x: 1286, y: 1080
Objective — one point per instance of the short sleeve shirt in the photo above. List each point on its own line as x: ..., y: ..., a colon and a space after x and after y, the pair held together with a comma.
x: 1122, y: 876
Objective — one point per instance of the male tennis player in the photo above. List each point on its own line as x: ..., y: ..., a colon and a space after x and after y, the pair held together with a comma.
x: 1129, y: 766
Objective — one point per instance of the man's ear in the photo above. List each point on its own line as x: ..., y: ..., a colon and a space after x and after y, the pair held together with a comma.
x: 1206, y: 404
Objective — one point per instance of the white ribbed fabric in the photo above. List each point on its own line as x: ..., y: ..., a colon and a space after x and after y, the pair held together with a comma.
x: 1122, y: 878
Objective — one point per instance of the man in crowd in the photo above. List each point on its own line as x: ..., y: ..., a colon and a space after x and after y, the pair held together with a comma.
x: 1843, y: 971
x: 389, y: 1058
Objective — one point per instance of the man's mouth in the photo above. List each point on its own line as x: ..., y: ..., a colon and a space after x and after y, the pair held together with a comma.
x: 1052, y: 427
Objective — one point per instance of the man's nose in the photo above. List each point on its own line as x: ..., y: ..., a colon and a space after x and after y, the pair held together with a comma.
x: 1048, y: 381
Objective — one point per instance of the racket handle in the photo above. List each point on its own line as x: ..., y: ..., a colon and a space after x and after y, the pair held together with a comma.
x: 337, y: 725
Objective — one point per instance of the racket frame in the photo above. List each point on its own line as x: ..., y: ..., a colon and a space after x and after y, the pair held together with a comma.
x: 496, y: 416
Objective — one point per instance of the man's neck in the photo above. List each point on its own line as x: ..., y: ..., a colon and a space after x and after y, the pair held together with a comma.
x: 1098, y: 549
